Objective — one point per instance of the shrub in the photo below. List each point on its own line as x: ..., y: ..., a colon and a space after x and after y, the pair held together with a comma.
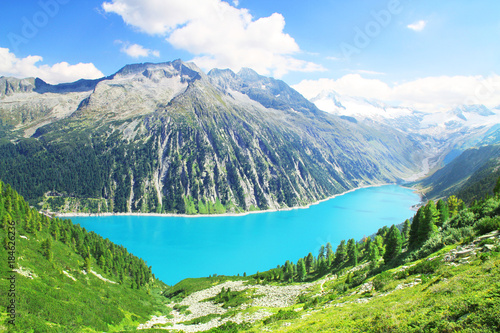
x: 230, y: 298
x: 201, y: 320
x: 452, y: 236
x: 381, y: 280
x: 181, y: 308
x: 463, y: 219
x: 312, y: 303
x: 230, y: 327
x: 487, y: 224
x: 425, y: 267
x: 433, y: 244
x: 356, y: 280
x: 489, y: 207
x: 302, y: 298
x: 341, y: 288
x: 486, y: 241
x: 484, y: 257
x: 281, y: 315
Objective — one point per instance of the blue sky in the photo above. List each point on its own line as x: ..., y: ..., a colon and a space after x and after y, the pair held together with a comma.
x: 391, y: 42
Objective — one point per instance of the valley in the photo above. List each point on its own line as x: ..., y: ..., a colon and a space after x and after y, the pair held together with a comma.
x: 144, y: 150
x: 229, y: 166
x: 257, y: 241
x: 132, y: 157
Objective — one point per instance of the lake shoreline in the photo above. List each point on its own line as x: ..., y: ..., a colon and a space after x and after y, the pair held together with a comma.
x: 213, y: 244
x: 67, y: 215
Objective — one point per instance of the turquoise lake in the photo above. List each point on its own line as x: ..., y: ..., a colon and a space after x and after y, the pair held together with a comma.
x: 182, y: 247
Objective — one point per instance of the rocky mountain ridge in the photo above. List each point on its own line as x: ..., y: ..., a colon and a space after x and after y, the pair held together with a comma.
x: 169, y: 138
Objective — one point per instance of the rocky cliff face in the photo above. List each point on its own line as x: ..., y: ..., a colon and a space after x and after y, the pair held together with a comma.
x: 169, y: 138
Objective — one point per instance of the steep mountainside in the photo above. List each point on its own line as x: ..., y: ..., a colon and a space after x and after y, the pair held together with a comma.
x: 168, y: 138
x: 470, y: 175
x: 57, y: 277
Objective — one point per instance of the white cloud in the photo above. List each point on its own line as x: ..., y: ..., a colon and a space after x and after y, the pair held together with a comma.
x: 430, y: 94
x: 137, y: 51
x: 333, y: 58
x: 417, y: 26
x: 351, y: 85
x: 362, y: 71
x: 218, y: 34
x: 61, y: 72
x: 236, y: 3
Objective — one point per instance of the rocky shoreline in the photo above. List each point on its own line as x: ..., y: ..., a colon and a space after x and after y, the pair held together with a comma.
x: 75, y: 214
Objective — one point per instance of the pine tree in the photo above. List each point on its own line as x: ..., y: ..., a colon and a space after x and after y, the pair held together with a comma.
x: 443, y: 211
x: 340, y: 255
x: 321, y: 254
x: 329, y: 254
x: 366, y: 251
x: 414, y: 239
x: 329, y: 249
x: 121, y: 276
x: 383, y: 231
x: 373, y: 254
x: 309, y: 262
x: 348, y: 279
x: 47, y: 249
x: 301, y: 269
x: 28, y: 226
x: 393, y: 244
x: 363, y: 246
x: 406, y: 231
x: 352, y: 252
x: 102, y: 262
x: 54, y: 231
x: 454, y: 204
x: 64, y: 236
x: 496, y: 190
x: 6, y: 221
x: 427, y: 226
x: 322, y: 265
x: 2, y: 206
x: 379, y: 241
x: 110, y: 261
x: 87, y: 264
x: 8, y: 204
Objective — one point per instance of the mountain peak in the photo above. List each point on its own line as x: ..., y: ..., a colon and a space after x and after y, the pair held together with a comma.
x: 168, y: 68
x: 474, y: 108
x: 248, y: 74
x: 12, y: 85
x: 221, y: 72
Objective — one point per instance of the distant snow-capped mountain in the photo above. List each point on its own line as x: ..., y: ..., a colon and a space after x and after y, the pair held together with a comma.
x: 458, y: 128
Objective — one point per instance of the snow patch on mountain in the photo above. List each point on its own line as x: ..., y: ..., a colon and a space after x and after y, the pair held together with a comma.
x: 457, y: 128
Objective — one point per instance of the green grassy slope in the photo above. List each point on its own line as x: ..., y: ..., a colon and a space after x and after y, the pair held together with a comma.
x: 446, y: 280
x: 430, y: 296
x: 53, y: 291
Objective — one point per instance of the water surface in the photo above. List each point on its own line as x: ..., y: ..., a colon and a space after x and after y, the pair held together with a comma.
x: 182, y: 247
